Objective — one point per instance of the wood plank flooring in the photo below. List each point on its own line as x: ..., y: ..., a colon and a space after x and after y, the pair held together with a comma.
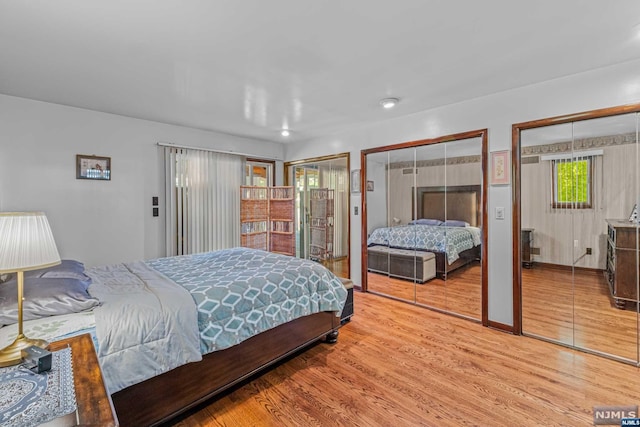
x: 461, y: 293
x: 577, y: 309
x: 397, y: 364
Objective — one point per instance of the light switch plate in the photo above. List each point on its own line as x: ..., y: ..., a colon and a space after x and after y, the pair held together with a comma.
x: 499, y: 213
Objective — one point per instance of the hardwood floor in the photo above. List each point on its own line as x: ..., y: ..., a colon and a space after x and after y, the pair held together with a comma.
x: 461, y: 293
x: 577, y: 309
x: 397, y: 364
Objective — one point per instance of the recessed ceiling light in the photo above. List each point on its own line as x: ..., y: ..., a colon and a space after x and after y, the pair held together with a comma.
x: 388, y: 103
x: 285, y: 132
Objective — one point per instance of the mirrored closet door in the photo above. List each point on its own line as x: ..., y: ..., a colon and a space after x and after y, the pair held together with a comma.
x: 579, y: 264
x: 423, y: 218
x: 322, y: 210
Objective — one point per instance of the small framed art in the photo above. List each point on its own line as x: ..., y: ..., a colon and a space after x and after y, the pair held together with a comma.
x: 500, y: 168
x: 355, y: 181
x: 93, y: 167
x: 369, y: 185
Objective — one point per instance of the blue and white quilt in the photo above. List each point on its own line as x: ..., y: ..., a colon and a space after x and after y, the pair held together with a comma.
x: 450, y: 240
x: 157, y: 315
x: 241, y: 292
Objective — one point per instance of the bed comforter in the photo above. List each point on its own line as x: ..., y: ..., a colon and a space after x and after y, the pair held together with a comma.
x: 145, y: 325
x: 160, y: 314
x: 433, y: 238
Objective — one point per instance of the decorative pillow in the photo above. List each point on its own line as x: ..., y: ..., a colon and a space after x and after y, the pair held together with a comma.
x: 67, y: 269
x: 455, y: 223
x: 425, y: 221
x: 44, y: 297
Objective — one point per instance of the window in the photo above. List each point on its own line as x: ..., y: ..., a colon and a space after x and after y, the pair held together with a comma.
x: 258, y: 173
x: 572, y: 187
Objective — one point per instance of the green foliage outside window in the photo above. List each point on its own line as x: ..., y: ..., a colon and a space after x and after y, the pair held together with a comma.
x: 572, y: 180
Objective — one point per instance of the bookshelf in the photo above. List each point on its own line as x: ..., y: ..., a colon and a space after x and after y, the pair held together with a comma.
x: 254, y: 217
x: 281, y: 217
x: 322, y: 220
x: 267, y: 219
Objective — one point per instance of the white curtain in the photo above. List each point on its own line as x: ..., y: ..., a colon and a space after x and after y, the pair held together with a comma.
x: 337, y: 179
x: 202, y: 200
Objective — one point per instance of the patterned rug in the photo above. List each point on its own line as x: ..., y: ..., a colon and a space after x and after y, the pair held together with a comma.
x: 30, y: 399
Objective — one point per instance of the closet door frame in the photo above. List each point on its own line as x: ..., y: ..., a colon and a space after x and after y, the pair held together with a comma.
x: 516, y: 187
x: 480, y: 133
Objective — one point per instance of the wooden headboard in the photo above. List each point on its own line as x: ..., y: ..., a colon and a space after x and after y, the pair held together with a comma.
x: 463, y: 203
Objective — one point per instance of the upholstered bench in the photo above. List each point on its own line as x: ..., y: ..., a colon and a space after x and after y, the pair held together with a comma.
x: 347, y: 311
x: 402, y: 263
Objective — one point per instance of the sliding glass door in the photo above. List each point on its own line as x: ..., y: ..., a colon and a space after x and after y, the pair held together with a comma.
x: 322, y: 210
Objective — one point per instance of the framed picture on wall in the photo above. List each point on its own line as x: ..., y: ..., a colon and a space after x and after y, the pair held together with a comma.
x: 355, y: 181
x: 369, y: 185
x: 93, y: 167
x: 500, y: 168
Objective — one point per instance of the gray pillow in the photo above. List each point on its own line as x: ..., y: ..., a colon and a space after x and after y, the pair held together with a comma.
x: 44, y: 297
x: 426, y: 221
x: 67, y: 269
x: 455, y: 223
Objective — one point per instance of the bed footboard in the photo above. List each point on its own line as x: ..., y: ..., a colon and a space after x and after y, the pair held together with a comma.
x: 161, y: 398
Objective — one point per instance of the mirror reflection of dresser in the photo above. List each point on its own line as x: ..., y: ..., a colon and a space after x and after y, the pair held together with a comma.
x: 622, y: 268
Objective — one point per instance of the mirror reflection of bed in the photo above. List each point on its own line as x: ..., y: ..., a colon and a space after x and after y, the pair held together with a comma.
x: 568, y: 291
x: 424, y: 223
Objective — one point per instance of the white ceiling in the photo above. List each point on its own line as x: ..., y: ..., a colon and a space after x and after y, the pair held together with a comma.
x: 250, y: 67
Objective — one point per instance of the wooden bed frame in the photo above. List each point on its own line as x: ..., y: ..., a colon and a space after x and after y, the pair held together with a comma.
x: 161, y: 398
x: 463, y: 203
x: 466, y: 257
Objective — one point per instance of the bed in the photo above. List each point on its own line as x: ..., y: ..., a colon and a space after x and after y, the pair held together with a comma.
x: 452, y: 234
x: 173, y: 332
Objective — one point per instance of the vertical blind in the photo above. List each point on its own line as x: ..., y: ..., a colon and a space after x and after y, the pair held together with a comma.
x: 202, y: 200
x: 337, y: 179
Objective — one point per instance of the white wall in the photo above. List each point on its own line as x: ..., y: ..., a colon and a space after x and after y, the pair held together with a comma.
x: 97, y: 222
x: 377, y: 199
x: 605, y: 87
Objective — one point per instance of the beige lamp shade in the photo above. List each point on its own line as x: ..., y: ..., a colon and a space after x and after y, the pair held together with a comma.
x: 26, y: 242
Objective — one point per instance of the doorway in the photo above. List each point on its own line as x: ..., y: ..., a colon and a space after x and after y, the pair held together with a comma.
x: 322, y: 210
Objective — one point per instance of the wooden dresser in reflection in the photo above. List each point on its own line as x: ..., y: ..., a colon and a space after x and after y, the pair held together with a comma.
x: 622, y: 270
x: 526, y: 242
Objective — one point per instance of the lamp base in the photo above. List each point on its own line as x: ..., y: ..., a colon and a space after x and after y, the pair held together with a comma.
x: 12, y: 354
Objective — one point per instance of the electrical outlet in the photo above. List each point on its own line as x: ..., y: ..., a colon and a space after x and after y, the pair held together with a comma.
x: 588, y: 251
x: 575, y: 243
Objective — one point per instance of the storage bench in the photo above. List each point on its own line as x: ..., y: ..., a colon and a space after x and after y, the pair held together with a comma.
x: 403, y: 263
x: 347, y: 311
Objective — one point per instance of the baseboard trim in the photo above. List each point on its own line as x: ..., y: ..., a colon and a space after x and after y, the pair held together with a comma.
x: 500, y: 326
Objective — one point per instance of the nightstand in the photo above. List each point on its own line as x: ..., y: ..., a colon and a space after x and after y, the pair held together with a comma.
x: 94, y: 403
x: 526, y: 242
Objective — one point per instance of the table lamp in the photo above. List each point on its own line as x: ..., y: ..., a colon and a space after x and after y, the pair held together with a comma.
x: 26, y: 243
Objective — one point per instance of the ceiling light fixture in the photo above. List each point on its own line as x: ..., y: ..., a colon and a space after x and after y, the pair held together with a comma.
x: 285, y: 132
x: 388, y: 103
